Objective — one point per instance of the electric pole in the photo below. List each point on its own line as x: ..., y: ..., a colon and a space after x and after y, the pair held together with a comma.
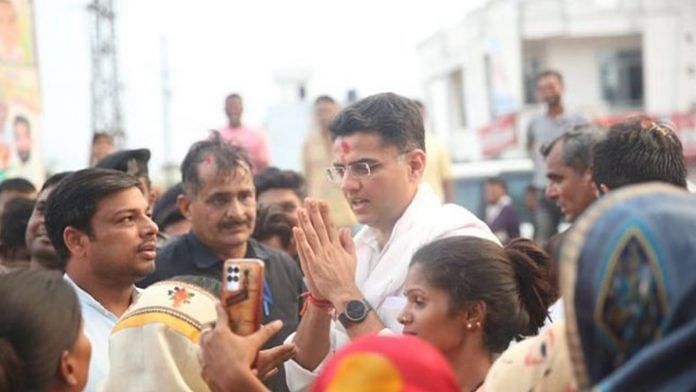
x: 105, y: 85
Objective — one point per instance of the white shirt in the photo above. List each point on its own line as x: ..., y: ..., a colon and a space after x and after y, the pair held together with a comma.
x: 380, y: 273
x: 98, y: 323
x: 556, y: 313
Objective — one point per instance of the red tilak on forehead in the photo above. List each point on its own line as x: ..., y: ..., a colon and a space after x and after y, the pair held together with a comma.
x: 343, y: 144
x: 208, y: 160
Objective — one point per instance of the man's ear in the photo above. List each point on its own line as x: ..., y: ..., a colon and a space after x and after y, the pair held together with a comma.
x: 589, y: 179
x: 184, y: 205
x: 66, y: 369
x: 416, y: 162
x: 75, y: 240
x: 587, y: 175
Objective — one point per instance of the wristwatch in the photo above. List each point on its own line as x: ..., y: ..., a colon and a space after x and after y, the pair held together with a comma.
x: 355, y: 312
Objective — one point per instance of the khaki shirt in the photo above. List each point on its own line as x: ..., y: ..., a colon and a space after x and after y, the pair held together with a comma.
x: 316, y: 158
x: 438, y: 165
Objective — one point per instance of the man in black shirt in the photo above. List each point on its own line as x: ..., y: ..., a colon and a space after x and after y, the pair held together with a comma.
x: 219, y: 200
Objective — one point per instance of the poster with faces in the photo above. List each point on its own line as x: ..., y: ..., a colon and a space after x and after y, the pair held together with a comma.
x: 20, y: 95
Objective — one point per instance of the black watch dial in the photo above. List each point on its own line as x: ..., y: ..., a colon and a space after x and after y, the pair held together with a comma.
x: 356, y: 310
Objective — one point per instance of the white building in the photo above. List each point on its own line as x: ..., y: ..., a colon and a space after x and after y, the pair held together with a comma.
x: 616, y: 56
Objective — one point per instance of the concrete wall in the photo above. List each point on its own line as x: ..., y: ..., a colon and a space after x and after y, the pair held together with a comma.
x: 578, y: 60
x: 669, y: 58
x: 567, y: 35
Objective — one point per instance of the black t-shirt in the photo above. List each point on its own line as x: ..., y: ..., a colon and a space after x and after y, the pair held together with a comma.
x: 187, y: 255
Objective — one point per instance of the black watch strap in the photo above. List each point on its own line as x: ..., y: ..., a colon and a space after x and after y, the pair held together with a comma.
x: 355, y: 312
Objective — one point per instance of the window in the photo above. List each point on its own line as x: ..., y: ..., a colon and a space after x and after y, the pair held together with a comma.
x: 456, y: 93
x: 488, y: 66
x: 532, y: 68
x: 621, y: 78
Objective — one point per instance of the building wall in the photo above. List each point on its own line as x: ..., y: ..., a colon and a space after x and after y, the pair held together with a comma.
x: 486, y: 49
x: 578, y: 60
x: 567, y: 35
x: 669, y: 56
x: 571, y: 18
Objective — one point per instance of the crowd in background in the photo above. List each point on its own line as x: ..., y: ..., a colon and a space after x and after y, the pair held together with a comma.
x: 374, y: 279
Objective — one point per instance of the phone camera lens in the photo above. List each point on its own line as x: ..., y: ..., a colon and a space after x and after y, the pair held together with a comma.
x: 235, y: 269
x: 229, y: 278
x: 235, y: 278
x: 229, y: 270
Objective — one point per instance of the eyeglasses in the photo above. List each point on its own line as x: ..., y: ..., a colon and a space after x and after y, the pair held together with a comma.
x: 357, y: 169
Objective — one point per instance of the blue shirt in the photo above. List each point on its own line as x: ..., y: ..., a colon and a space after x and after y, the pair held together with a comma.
x: 98, y: 323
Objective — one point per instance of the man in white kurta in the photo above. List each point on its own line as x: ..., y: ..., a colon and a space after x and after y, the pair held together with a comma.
x: 356, y: 285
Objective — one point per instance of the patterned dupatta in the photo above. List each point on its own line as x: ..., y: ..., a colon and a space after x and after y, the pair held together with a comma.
x: 628, y: 277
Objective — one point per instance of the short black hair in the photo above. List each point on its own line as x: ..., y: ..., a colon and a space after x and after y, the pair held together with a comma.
x: 272, y: 221
x: 17, y: 184
x: 227, y: 157
x: 397, y: 119
x: 13, y: 223
x: 639, y: 150
x: 41, y: 319
x: 233, y: 95
x: 497, y: 181
x: 578, y: 146
x: 274, y: 178
x: 324, y: 98
x: 166, y: 211
x: 54, y: 179
x: 74, y: 202
x: 102, y: 135
x: 550, y: 72
x: 22, y: 120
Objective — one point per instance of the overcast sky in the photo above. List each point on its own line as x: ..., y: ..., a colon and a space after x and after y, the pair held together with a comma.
x: 215, y: 47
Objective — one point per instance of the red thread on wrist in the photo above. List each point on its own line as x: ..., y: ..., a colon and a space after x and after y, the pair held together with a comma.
x: 319, y: 303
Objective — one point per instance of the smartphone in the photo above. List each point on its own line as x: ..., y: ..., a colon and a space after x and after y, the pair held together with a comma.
x: 242, y: 294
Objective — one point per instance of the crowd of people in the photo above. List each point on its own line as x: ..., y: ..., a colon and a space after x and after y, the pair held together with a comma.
x: 373, y: 279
